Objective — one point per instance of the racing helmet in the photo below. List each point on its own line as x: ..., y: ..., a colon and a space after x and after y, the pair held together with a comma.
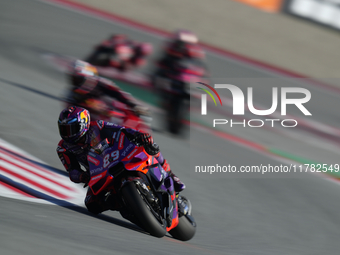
x: 73, y: 123
x: 182, y: 41
x: 185, y: 36
x: 80, y: 70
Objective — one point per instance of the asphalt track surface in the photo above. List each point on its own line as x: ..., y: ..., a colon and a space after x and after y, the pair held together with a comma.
x: 234, y: 215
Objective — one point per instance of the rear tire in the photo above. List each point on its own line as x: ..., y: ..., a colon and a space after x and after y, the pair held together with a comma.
x: 141, y: 211
x: 185, y: 230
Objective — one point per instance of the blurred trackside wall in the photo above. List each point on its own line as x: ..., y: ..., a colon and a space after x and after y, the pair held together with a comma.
x: 321, y: 12
x: 268, y: 36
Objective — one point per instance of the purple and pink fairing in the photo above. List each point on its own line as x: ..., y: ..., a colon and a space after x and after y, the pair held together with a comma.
x: 103, y: 157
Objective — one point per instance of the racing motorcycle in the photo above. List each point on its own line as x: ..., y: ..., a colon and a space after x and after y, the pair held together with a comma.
x: 145, y: 192
x: 110, y: 56
x: 113, y: 62
x: 112, y: 111
x: 174, y: 88
x: 117, y: 112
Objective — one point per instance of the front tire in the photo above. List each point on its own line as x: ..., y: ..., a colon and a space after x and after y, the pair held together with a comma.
x: 140, y: 209
x: 185, y: 230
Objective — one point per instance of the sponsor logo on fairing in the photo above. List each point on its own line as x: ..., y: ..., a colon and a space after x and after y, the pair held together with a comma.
x: 92, y: 160
x: 93, y: 171
x: 111, y: 124
x: 127, y: 149
x: 132, y: 152
x: 121, y: 141
x: 97, y: 177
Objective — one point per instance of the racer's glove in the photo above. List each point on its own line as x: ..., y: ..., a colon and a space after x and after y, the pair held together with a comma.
x: 84, y: 177
x: 144, y: 139
x: 152, y: 149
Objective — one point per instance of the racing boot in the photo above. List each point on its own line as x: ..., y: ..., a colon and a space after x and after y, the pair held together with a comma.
x: 179, y: 185
x: 101, y: 203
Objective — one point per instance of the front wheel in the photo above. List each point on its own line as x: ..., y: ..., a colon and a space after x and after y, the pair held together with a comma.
x: 142, y: 211
x: 185, y: 230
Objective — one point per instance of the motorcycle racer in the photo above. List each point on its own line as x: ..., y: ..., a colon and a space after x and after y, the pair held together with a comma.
x: 89, y: 90
x: 183, y: 49
x: 79, y: 135
x: 122, y: 53
x: 181, y: 64
x: 182, y: 45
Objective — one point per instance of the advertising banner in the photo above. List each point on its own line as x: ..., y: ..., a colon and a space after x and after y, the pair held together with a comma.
x: 325, y: 12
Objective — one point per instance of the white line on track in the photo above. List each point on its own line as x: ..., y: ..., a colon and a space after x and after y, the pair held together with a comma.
x: 21, y: 178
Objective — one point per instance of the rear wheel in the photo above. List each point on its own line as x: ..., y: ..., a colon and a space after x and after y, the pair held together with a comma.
x: 142, y: 210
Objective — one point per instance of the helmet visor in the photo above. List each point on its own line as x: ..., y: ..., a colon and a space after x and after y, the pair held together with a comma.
x: 69, y: 130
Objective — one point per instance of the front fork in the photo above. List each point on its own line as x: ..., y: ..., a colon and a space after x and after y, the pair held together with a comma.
x: 171, y: 210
